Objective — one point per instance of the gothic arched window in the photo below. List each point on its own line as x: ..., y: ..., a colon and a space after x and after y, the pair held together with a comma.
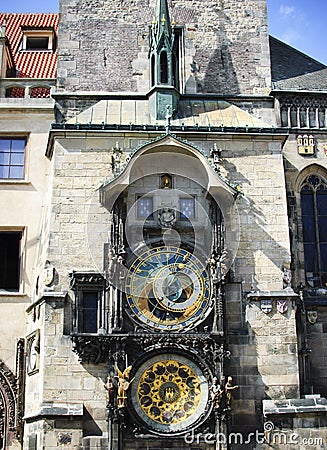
x: 153, y: 70
x: 314, y: 222
x: 163, y: 67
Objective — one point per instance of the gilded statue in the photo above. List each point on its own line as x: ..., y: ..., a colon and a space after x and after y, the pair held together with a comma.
x: 123, y: 385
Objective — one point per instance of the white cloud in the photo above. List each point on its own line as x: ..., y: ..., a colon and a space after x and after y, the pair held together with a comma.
x: 286, y: 10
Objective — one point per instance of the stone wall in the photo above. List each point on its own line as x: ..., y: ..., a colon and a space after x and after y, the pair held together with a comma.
x: 259, y: 343
x: 224, y: 46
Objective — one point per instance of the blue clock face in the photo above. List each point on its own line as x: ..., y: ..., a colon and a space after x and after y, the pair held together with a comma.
x: 167, y: 288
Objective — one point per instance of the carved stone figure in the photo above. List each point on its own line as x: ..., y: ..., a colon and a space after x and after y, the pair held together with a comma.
x: 167, y: 217
x: 123, y: 385
x: 228, y: 391
x: 110, y: 388
x: 287, y: 275
x: 216, y: 393
x: 48, y: 274
x: 218, y: 265
x: 312, y: 317
x: 112, y: 262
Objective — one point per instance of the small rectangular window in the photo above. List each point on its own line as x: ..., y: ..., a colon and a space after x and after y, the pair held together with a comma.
x: 10, y: 260
x: 12, y: 157
x: 38, y: 40
x: 37, y: 43
x: 90, y: 312
x: 187, y: 208
x: 144, y: 208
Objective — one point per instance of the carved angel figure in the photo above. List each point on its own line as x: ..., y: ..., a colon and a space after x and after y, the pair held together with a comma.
x: 123, y: 385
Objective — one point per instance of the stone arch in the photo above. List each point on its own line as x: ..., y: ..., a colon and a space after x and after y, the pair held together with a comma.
x: 8, y: 406
x: 169, y: 145
x: 312, y: 169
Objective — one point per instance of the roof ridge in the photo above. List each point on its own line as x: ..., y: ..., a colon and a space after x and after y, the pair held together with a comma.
x: 298, y: 51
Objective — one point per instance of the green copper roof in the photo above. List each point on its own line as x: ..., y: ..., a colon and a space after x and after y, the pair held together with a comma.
x: 203, y: 113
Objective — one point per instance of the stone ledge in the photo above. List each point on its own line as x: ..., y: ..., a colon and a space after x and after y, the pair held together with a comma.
x: 45, y: 297
x: 285, y: 293
x: 56, y: 409
x: 309, y: 404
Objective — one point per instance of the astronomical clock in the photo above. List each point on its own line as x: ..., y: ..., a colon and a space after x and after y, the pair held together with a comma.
x: 161, y: 327
x: 167, y: 289
x: 166, y: 304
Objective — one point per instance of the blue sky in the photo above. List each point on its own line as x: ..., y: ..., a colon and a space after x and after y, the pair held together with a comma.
x: 299, y: 23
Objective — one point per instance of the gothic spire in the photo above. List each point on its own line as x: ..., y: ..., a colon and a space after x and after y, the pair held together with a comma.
x: 164, y: 64
x: 163, y: 19
x: 162, y: 32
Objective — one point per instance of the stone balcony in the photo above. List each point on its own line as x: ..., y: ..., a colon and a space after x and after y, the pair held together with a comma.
x: 18, y: 89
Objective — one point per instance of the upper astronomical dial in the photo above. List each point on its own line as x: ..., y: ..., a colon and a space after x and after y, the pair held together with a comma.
x: 167, y: 288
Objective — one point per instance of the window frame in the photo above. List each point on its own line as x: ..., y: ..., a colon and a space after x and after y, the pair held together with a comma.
x: 24, y: 166
x: 38, y: 34
x: 88, y: 282
x: 319, y: 277
x: 21, y: 254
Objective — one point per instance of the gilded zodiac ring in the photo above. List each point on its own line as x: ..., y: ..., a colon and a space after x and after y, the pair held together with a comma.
x: 171, y: 393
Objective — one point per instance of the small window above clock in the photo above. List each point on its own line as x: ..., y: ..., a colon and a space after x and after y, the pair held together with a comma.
x: 38, y: 40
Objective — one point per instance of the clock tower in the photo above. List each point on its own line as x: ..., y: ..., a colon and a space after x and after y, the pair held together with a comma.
x: 162, y: 248
x: 168, y: 257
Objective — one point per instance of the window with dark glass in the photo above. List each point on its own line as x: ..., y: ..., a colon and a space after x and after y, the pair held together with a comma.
x: 12, y: 157
x: 10, y: 260
x: 314, y: 223
x: 37, y: 43
x: 163, y: 67
x: 38, y: 39
x: 89, y: 314
x: 153, y: 70
x: 88, y: 322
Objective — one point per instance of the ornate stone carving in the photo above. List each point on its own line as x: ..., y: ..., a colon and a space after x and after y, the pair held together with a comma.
x: 8, y: 401
x: 312, y: 317
x: 48, y: 274
x: 64, y: 438
x: 167, y: 217
x: 99, y: 349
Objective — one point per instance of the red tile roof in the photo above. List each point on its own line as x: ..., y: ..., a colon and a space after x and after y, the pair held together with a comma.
x: 31, y: 64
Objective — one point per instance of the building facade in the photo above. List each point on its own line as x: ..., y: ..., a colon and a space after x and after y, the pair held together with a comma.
x: 163, y: 250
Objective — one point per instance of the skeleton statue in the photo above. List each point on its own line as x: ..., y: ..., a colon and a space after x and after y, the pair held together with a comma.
x: 228, y: 391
